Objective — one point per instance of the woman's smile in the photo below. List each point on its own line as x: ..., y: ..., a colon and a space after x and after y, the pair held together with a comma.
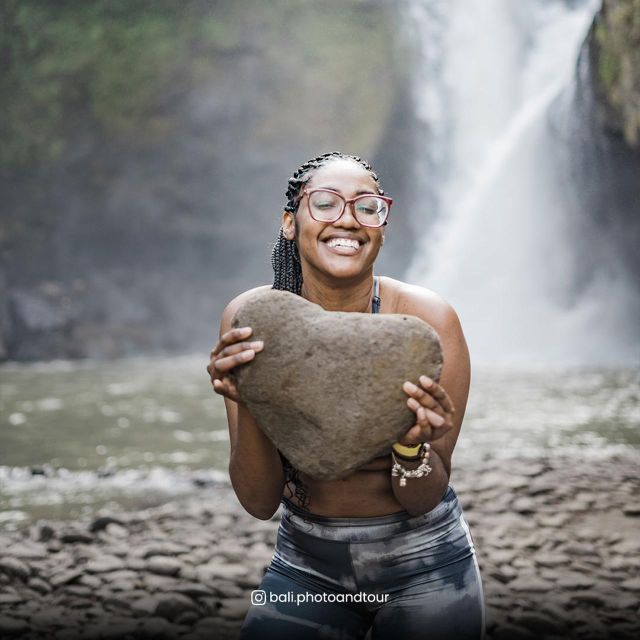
x: 343, y: 244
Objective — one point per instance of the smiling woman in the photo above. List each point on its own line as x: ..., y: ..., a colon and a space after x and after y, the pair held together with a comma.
x: 395, y: 526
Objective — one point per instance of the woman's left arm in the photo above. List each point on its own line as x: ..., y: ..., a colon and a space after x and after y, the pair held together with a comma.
x: 439, y: 406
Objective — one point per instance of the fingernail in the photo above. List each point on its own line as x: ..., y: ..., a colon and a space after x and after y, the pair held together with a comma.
x: 438, y: 421
x: 425, y: 380
x: 413, y: 403
x: 248, y: 354
x: 409, y: 387
x: 258, y: 344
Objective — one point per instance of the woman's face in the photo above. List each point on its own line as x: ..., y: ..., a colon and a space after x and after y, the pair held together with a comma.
x: 344, y: 248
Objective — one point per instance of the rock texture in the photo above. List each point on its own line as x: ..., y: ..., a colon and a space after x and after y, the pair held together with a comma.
x: 327, y: 389
x: 615, y: 49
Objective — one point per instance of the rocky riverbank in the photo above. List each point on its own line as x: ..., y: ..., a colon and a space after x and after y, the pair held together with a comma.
x: 557, y: 543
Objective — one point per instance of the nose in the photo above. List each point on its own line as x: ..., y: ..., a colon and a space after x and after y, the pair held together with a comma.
x: 348, y: 218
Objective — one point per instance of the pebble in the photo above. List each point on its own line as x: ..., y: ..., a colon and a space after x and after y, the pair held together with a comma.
x: 12, y: 626
x: 70, y: 536
x: 172, y: 605
x: 633, y: 584
x: 65, y: 576
x: 15, y: 567
x: 105, y: 564
x: 164, y: 566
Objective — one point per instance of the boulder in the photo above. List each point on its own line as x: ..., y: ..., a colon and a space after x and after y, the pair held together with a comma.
x: 327, y: 388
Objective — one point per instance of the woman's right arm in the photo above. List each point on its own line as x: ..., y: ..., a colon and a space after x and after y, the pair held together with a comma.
x: 255, y: 467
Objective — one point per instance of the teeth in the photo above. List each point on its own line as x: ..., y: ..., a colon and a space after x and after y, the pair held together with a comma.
x: 343, y: 242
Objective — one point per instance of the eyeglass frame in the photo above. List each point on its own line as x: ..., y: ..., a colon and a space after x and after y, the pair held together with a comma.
x: 351, y: 201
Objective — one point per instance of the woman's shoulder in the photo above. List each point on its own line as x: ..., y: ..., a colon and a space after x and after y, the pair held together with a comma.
x: 235, y: 304
x: 415, y: 300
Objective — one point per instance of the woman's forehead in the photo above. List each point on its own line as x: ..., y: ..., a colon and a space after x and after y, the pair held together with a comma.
x: 342, y: 173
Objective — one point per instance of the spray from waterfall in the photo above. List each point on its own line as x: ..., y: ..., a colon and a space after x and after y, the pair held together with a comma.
x: 503, y: 250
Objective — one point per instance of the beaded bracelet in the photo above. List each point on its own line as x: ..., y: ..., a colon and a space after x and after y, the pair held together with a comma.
x: 421, y: 472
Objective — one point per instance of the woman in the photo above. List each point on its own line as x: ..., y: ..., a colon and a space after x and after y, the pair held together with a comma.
x: 385, y: 550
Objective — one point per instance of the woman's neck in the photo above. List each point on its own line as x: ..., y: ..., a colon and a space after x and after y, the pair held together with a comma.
x: 355, y: 296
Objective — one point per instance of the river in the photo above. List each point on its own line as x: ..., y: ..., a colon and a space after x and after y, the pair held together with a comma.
x: 77, y: 437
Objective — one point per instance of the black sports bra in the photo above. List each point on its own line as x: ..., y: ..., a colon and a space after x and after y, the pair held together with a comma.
x: 375, y: 303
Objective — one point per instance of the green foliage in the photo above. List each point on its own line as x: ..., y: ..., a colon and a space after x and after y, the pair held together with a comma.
x: 108, y: 58
x: 618, y: 40
x: 114, y: 66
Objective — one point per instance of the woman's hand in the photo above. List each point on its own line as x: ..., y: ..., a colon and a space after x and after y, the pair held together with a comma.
x: 433, y: 408
x: 231, y: 351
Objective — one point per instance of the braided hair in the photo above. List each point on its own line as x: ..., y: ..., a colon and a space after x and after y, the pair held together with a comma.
x: 287, y: 269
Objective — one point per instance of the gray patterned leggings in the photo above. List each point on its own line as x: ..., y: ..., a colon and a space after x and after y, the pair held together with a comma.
x: 393, y: 577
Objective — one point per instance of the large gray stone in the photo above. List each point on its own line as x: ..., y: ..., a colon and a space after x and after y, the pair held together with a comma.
x: 327, y: 388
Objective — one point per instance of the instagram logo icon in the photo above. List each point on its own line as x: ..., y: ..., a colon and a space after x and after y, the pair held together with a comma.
x: 258, y: 597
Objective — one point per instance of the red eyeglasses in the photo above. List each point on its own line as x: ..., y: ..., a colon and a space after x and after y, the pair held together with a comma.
x: 327, y: 206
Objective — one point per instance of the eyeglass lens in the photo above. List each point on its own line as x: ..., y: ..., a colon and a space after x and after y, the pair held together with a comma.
x: 327, y: 207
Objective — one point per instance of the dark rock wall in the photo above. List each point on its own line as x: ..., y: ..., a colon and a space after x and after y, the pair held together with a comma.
x: 615, y: 53
x: 143, y: 188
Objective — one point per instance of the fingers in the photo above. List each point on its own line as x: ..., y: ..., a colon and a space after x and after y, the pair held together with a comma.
x: 438, y: 393
x: 430, y: 395
x: 230, y: 337
x: 225, y: 364
x: 225, y: 387
x: 418, y: 434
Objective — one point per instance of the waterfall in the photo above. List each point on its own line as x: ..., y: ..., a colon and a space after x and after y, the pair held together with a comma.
x: 497, y: 221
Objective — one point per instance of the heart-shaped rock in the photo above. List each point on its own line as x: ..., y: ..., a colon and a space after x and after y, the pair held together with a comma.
x: 327, y: 388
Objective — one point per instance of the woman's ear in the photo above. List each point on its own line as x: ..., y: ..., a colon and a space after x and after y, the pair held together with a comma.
x: 288, y: 225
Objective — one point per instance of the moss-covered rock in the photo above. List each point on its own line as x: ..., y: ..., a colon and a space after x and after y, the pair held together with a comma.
x: 615, y: 48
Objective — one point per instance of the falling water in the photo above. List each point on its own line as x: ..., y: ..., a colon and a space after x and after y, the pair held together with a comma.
x: 503, y: 249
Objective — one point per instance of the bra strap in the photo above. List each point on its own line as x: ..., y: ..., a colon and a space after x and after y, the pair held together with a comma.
x: 375, y: 303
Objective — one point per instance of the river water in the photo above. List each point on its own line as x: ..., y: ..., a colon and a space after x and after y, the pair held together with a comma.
x: 78, y: 437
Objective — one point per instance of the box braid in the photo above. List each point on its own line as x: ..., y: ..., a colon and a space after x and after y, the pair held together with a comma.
x: 285, y: 261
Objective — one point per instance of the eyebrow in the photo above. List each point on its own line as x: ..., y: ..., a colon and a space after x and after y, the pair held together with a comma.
x: 359, y: 192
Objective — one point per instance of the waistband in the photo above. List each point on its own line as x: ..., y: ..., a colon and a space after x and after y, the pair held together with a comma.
x: 367, y: 529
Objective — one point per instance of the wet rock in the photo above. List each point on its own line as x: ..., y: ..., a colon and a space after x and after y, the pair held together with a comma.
x: 145, y: 606
x: 65, y: 577
x: 511, y: 632
x: 575, y: 580
x: 44, y: 532
x: 532, y: 584
x: 158, y: 628
x: 551, y: 559
x: 632, y: 510
x: 234, y: 608
x: 69, y: 536
x: 164, y: 566
x: 27, y: 551
x: 102, y: 522
x: 12, y: 626
x: 540, y: 625
x: 105, y: 564
x: 172, y: 605
x: 633, y: 584
x: 365, y: 358
x: 40, y: 586
x: 15, y: 567
x: 10, y: 598
x: 162, y: 549
x: 524, y: 506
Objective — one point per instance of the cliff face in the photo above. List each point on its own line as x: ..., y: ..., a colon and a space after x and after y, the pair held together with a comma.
x: 615, y: 51
x: 146, y: 149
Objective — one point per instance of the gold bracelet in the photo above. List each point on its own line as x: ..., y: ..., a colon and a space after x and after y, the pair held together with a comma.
x: 411, y: 452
